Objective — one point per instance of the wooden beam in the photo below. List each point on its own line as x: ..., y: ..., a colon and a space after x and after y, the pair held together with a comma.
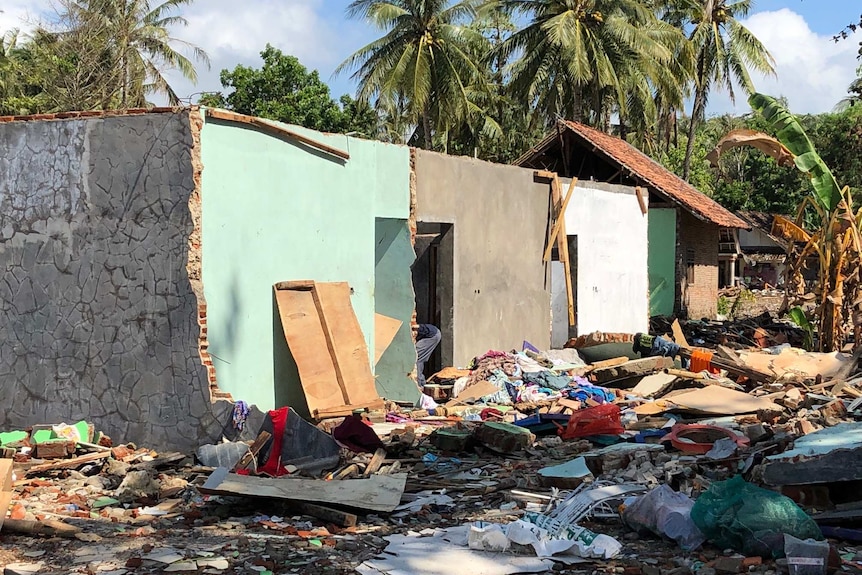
x: 67, y: 463
x: 641, y: 201
x: 560, y: 218
x: 336, y: 516
x: 276, y: 130
x: 259, y: 443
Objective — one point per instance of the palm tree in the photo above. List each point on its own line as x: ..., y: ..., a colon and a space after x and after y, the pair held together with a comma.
x: 140, y: 44
x: 583, y: 58
x: 423, y: 59
x: 724, y: 50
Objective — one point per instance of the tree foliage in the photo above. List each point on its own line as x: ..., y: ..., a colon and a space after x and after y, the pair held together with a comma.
x: 284, y: 90
x: 96, y: 55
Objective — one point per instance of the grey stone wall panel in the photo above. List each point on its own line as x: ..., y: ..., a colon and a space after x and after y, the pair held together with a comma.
x: 98, y: 319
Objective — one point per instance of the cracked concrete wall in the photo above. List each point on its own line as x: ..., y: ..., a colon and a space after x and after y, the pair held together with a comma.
x: 98, y: 319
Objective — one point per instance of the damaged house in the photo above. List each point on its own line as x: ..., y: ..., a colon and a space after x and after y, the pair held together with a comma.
x: 161, y: 264
x: 684, y: 225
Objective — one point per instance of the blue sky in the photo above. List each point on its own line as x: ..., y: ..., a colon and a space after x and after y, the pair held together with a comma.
x: 813, y: 71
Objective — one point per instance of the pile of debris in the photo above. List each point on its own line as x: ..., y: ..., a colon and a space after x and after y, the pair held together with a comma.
x: 632, y: 454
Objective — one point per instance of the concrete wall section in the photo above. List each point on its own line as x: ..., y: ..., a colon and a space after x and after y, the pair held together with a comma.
x: 98, y: 320
x: 499, y: 216
x: 612, y: 277
x: 699, y: 270
x: 275, y: 210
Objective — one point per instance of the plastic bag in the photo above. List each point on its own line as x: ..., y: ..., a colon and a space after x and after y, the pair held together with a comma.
x: 599, y: 420
x: 548, y: 538
x: 665, y: 512
x: 737, y: 515
x: 487, y: 537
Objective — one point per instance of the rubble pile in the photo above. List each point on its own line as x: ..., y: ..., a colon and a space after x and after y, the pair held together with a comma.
x: 667, y: 459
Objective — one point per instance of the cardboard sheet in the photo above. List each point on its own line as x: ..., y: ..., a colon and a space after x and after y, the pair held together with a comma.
x: 796, y: 361
x: 717, y: 400
x: 653, y: 384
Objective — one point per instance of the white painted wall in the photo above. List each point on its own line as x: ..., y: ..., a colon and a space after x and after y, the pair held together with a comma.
x: 755, y: 238
x: 613, y: 280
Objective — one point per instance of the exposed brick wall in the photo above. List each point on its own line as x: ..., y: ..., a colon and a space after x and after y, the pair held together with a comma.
x: 194, y: 267
x: 698, y: 248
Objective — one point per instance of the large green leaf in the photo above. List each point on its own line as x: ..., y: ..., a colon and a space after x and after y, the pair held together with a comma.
x: 790, y: 133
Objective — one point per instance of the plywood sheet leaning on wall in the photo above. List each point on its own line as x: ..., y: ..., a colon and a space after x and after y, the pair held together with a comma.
x: 5, y: 488
x: 328, y: 346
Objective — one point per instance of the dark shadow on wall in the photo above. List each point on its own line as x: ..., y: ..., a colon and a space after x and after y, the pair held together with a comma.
x: 288, y: 389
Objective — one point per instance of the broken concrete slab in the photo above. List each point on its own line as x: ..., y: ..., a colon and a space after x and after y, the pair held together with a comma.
x: 375, y: 493
x: 630, y: 369
x: 829, y: 455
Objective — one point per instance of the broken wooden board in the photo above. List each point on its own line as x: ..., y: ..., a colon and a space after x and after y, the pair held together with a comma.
x: 328, y: 346
x: 375, y: 493
x: 385, y: 328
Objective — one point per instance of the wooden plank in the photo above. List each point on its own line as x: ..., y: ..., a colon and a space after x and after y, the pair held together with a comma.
x: 375, y: 493
x: 45, y: 527
x: 385, y: 328
x: 560, y: 217
x: 248, y: 458
x: 308, y: 345
x: 641, y: 201
x: 275, y: 129
x: 69, y: 463
x: 563, y: 248
x: 5, y: 500
x: 376, y: 461
x: 347, y: 342
x: 336, y: 516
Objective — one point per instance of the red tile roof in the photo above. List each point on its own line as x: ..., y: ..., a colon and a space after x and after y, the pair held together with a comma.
x: 664, y: 182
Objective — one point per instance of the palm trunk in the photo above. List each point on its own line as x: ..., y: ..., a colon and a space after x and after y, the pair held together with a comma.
x: 426, y: 128
x: 697, y: 110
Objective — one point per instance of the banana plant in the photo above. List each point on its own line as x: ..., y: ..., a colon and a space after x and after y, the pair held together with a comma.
x: 835, y: 241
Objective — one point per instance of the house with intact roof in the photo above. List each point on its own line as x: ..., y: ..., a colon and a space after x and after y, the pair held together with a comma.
x: 684, y: 225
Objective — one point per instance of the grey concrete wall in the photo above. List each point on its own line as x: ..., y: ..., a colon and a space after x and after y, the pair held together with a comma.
x: 98, y: 320
x: 500, y: 224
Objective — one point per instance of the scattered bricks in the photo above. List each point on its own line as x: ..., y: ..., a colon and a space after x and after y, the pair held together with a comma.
x: 504, y: 437
x: 55, y: 449
x: 729, y: 565
x: 834, y: 411
x: 804, y: 427
x: 750, y: 562
x: 792, y: 399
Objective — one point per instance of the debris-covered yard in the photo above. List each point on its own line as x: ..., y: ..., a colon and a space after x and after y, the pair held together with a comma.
x: 630, y: 454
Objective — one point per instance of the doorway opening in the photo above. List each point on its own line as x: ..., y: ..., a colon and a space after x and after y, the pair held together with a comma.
x: 434, y: 286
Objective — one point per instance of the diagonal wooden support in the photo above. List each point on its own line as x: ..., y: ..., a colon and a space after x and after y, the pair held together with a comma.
x: 560, y: 216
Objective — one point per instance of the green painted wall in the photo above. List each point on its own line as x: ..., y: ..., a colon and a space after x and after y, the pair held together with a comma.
x: 661, y: 231
x: 276, y: 210
x: 394, y: 298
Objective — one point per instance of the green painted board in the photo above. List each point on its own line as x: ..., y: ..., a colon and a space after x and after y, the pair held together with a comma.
x: 661, y: 260
x: 12, y: 437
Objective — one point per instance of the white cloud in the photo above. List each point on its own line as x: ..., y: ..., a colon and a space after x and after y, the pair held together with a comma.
x: 812, y: 71
x: 21, y: 14
x: 234, y: 33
